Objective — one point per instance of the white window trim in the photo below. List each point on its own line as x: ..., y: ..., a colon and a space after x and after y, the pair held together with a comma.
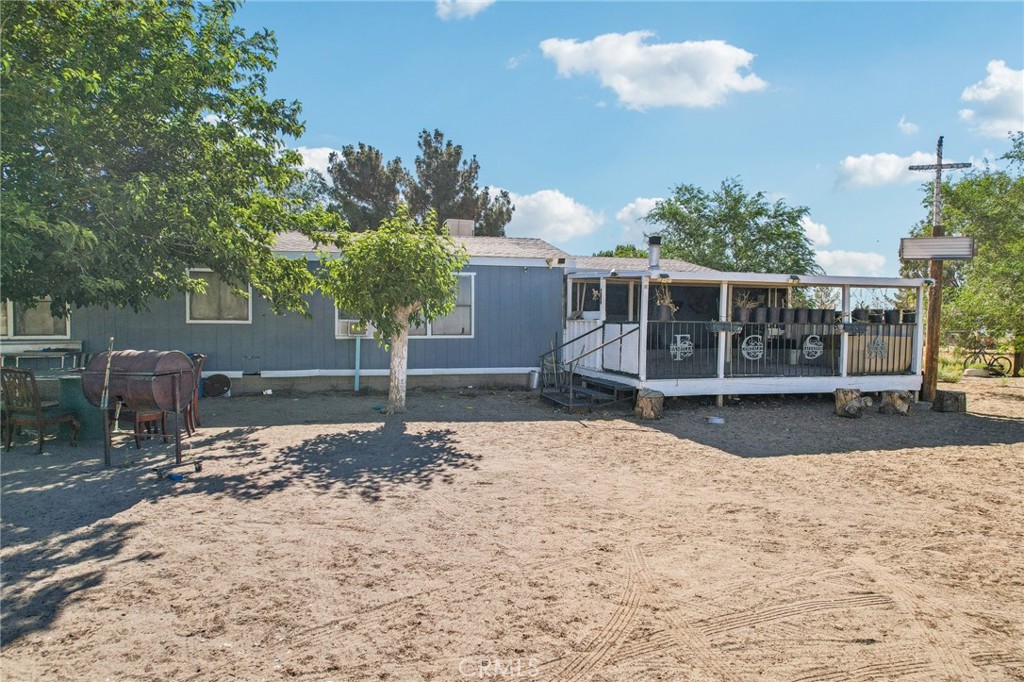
x: 472, y: 315
x: 8, y: 332
x: 188, y: 305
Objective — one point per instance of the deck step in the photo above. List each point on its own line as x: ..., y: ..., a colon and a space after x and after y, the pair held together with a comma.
x: 610, y: 384
x: 595, y: 394
x: 562, y: 398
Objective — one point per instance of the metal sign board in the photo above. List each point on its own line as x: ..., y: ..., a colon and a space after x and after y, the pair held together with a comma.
x: 937, y: 248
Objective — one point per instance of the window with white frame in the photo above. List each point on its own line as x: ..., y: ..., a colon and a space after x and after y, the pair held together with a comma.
x: 219, y: 304
x: 18, y: 320
x: 459, y: 322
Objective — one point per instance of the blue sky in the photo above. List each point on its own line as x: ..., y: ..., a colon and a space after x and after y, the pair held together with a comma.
x: 588, y: 112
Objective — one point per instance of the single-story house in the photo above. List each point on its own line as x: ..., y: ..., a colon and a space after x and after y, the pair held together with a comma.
x: 524, y: 307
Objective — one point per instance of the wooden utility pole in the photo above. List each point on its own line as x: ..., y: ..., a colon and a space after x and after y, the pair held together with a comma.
x: 931, y: 354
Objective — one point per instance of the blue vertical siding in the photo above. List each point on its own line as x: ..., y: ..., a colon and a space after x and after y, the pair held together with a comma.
x: 517, y: 316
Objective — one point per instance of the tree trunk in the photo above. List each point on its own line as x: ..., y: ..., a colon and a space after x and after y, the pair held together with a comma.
x: 399, y: 362
x: 850, y: 403
x: 895, y: 402
x: 1018, y: 358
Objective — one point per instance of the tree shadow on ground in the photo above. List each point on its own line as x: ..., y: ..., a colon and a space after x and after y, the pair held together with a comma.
x: 58, y: 510
x: 807, y: 425
x: 369, y: 462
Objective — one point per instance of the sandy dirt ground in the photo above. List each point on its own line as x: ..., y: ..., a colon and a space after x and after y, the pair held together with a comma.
x: 486, y: 535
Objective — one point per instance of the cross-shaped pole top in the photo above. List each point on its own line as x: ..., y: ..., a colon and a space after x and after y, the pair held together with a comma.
x: 938, y: 167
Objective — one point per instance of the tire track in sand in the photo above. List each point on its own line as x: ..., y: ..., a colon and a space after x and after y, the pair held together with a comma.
x: 687, y: 643
x: 608, y: 639
x: 948, y: 658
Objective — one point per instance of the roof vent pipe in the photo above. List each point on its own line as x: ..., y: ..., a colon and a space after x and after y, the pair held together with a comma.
x: 654, y: 252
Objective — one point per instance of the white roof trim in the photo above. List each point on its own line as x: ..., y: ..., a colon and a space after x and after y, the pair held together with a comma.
x: 757, y: 278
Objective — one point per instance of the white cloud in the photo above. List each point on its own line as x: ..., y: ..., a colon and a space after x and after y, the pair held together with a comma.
x: 906, y: 127
x: 512, y: 63
x: 631, y: 217
x: 461, y: 9
x: 1000, y: 99
x: 552, y: 216
x: 687, y: 74
x: 852, y: 263
x: 868, y: 170
x: 316, y: 158
x: 816, y: 232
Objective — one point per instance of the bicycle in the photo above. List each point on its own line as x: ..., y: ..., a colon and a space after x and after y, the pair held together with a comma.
x: 995, y: 364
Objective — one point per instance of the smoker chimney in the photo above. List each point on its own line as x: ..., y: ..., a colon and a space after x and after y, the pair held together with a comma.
x: 654, y: 252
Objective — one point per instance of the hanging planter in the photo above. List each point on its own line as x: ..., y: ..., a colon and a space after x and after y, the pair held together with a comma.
x: 728, y: 327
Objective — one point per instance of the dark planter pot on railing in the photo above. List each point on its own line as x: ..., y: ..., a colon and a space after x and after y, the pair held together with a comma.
x: 788, y: 315
x: 861, y: 315
x: 892, y: 316
x: 802, y: 315
x: 760, y: 315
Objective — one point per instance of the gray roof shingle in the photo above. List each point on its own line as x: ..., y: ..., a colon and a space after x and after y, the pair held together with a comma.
x: 632, y: 264
x: 481, y: 247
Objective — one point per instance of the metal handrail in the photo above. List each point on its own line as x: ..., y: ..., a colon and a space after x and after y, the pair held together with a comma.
x: 558, y: 348
x: 575, y: 361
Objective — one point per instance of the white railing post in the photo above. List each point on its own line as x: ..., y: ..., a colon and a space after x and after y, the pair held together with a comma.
x: 723, y: 314
x: 844, y: 340
x: 645, y: 290
x: 918, y: 331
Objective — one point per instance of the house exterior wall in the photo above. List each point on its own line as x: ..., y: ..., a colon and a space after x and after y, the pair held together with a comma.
x: 517, y: 316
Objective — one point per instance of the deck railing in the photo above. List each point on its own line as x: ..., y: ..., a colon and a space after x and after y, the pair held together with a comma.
x: 875, y: 348
x: 681, y: 350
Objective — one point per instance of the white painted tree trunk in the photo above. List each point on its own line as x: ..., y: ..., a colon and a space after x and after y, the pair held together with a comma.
x: 399, y: 363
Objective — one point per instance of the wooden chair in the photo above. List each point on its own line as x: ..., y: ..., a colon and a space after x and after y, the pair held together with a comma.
x: 144, y: 424
x: 23, y: 407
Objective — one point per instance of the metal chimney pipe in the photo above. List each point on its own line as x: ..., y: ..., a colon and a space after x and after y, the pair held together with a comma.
x: 654, y: 252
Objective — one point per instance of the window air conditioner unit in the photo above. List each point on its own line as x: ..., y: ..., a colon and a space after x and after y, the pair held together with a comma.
x: 355, y: 329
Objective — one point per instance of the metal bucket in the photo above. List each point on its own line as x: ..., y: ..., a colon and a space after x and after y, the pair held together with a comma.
x: 534, y: 379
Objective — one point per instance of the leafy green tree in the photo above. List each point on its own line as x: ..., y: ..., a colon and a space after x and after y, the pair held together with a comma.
x: 732, y: 231
x: 624, y: 251
x: 447, y: 183
x: 986, y: 292
x: 403, y: 273
x: 366, y: 188
x: 308, y: 192
x: 138, y: 141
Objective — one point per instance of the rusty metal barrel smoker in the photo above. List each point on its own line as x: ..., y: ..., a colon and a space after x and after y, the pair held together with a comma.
x: 143, y: 381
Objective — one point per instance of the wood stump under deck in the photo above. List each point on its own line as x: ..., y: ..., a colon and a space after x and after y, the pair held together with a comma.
x: 850, y: 402
x: 950, y: 401
x: 895, y: 402
x: 649, y: 404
